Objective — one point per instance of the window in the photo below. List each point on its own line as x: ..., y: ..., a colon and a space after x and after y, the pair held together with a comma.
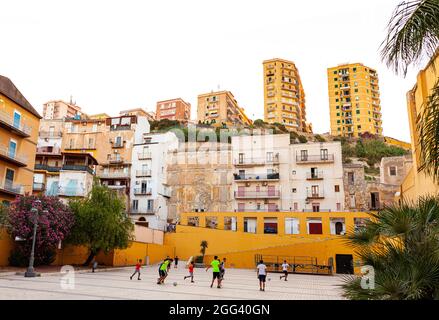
x: 324, y: 154
x: 296, y: 206
x: 230, y: 223
x: 270, y: 225
x: 351, y: 178
x: 314, y: 225
x: 294, y: 190
x: 211, y: 222
x: 17, y: 119
x: 291, y: 226
x: 150, y: 205
x: 337, y: 188
x: 392, y: 171
x: 316, y: 207
x: 135, y: 205
x: 12, y: 148
x: 250, y: 225
x: 337, y: 226
x: 303, y: 155
x: 9, y: 177
x: 338, y: 205
x: 193, y: 221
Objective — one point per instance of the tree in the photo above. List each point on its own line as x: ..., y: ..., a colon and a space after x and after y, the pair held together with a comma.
x: 3, y: 215
x: 203, y: 246
x: 401, y: 244
x: 55, y: 221
x: 413, y: 34
x: 100, y: 222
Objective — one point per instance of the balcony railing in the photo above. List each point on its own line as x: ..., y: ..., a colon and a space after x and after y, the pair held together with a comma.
x: 140, y: 211
x: 81, y: 147
x: 48, y: 150
x: 114, y: 175
x: 117, y: 144
x: 315, y: 158
x: 38, y: 186
x: 11, y: 188
x: 265, y: 194
x: 7, y: 121
x: 143, y: 173
x: 78, y: 168
x: 46, y: 167
x: 142, y: 191
x: 315, y: 210
x: 247, y: 177
x: 314, y: 176
x: 116, y: 160
x: 256, y: 161
x: 144, y: 155
x: 315, y: 194
x: 49, y: 134
x: 255, y: 209
x: 71, y: 192
x: 12, y: 157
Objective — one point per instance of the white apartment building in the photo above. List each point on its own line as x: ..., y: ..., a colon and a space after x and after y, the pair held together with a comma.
x: 273, y: 175
x: 149, y: 192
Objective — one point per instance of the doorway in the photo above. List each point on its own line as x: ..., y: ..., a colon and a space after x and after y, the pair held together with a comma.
x: 344, y: 264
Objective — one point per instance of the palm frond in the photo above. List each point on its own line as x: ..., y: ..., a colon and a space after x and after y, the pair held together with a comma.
x: 413, y: 33
x: 428, y: 128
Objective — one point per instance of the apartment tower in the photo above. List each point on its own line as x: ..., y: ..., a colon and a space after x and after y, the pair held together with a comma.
x: 354, y: 100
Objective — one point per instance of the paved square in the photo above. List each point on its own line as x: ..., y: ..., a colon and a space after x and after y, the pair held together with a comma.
x: 116, y: 284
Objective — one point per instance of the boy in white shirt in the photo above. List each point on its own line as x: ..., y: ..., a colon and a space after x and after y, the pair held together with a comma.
x: 285, y: 266
x: 262, y: 274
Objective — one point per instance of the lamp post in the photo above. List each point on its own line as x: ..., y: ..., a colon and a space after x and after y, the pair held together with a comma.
x: 30, y: 270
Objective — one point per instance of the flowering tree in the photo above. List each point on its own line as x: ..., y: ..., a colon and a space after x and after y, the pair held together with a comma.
x: 54, y: 223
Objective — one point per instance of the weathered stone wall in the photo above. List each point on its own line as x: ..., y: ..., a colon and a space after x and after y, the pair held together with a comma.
x: 355, y: 189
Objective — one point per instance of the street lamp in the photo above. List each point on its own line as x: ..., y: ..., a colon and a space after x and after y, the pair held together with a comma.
x: 30, y: 273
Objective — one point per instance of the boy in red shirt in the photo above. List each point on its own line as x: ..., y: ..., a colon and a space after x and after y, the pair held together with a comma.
x: 138, y: 266
x: 191, y: 272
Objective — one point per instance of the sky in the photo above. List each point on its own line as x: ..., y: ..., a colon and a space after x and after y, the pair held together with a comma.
x: 115, y: 55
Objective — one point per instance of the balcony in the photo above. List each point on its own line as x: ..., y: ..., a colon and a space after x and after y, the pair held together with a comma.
x: 144, y: 155
x: 10, y: 188
x: 143, y: 173
x: 314, y: 175
x: 315, y: 195
x: 71, y: 192
x: 323, y: 158
x: 81, y: 147
x: 117, y: 144
x: 11, y: 157
x: 142, y: 191
x: 257, y: 177
x: 256, y: 209
x: 114, y: 175
x: 38, y: 186
x: 263, y: 194
x: 45, y: 167
x: 120, y: 127
x: 115, y: 160
x: 143, y: 212
x: 78, y: 168
x: 49, y: 150
x: 256, y: 161
x: 50, y: 134
x: 7, y: 122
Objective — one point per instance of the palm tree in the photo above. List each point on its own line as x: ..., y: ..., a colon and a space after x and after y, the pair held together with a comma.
x: 413, y: 35
x: 401, y: 244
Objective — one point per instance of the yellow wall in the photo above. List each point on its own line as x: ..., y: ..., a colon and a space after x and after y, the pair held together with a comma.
x: 6, y: 245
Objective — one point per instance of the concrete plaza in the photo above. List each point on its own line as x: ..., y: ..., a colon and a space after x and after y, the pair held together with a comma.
x: 116, y: 284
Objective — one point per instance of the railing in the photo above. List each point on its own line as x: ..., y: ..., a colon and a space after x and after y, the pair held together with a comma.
x: 116, y: 144
x: 115, y: 160
x: 115, y: 175
x: 120, y: 127
x: 78, y: 168
x: 71, y: 192
x: 257, y: 194
x: 314, y: 176
x: 144, y: 155
x: 81, y: 147
x: 143, y: 173
x: 315, y: 158
x: 48, y: 150
x: 147, y: 211
x: 246, y: 177
x: 12, y: 188
x: 9, y: 121
x: 142, y: 191
x: 38, y: 186
x: 320, y: 210
x: 257, y: 210
x: 46, y: 167
x: 49, y: 134
x: 315, y: 194
x: 5, y: 152
x: 257, y: 161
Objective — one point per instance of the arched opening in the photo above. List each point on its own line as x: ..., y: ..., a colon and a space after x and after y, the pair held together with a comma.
x: 338, y: 227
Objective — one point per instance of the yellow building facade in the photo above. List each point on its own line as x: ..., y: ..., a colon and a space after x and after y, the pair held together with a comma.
x: 284, y: 96
x: 417, y: 183
x: 218, y: 108
x: 19, y: 123
x: 354, y: 100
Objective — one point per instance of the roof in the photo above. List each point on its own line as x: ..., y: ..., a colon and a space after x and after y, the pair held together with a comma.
x: 8, y: 89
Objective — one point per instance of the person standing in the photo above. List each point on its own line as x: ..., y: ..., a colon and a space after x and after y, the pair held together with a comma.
x: 191, y: 272
x: 285, y: 267
x: 94, y: 265
x: 163, y: 271
x: 261, y: 270
x: 216, y: 272
x: 175, y: 262
x: 222, y: 269
x: 137, y: 271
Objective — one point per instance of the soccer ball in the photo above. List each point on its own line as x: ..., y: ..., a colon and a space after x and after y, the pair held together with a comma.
x: 175, y: 284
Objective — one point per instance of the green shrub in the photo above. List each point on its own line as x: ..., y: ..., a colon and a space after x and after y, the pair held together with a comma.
x: 302, y: 139
x: 319, y: 138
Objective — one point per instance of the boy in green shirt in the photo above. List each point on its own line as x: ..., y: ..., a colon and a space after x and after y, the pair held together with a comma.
x: 163, y: 271
x: 215, y: 264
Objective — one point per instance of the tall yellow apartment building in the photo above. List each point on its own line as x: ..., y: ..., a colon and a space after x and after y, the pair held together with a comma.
x: 354, y: 100
x: 19, y: 123
x: 284, y: 97
x: 417, y: 183
x: 218, y: 108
